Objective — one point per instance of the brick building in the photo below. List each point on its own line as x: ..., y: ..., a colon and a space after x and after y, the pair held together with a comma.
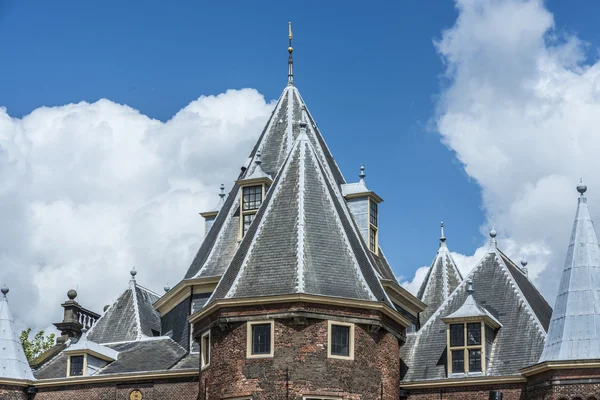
x: 290, y: 296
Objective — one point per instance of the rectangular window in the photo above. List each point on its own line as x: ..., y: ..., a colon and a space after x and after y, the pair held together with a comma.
x: 76, y: 368
x: 457, y: 335
x: 475, y: 360
x: 260, y: 339
x: 252, y: 198
x: 373, y: 213
x: 373, y: 239
x: 248, y: 218
x: 473, y: 334
x: 205, y: 349
x: 458, y: 361
x: 340, y: 340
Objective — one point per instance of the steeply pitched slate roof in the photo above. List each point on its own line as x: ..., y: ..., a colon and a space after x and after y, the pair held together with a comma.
x: 13, y: 363
x: 275, y: 143
x: 303, y: 239
x: 159, y: 354
x: 131, y: 317
x: 503, y: 297
x: 441, y: 280
x: 574, y: 332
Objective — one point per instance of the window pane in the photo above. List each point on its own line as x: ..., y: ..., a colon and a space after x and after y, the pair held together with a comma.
x: 261, y: 339
x: 475, y: 360
x: 248, y: 218
x: 340, y: 340
x: 76, y: 366
x: 457, y: 335
x: 458, y: 361
x: 252, y: 198
x: 373, y: 213
x: 372, y: 240
x: 205, y: 350
x: 473, y: 334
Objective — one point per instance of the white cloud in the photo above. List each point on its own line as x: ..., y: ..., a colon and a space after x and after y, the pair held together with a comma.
x: 89, y: 190
x: 521, y: 109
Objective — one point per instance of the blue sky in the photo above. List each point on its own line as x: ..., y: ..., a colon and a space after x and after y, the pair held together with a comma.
x: 381, y: 91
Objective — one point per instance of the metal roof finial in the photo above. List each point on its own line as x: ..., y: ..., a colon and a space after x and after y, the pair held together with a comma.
x: 581, y: 188
x: 524, y: 265
x: 4, y: 290
x: 167, y: 288
x: 442, y: 238
x: 290, y: 59
x: 222, y: 194
x: 257, y: 159
x: 362, y: 174
x: 470, y: 289
x: 493, y: 242
x: 133, y: 273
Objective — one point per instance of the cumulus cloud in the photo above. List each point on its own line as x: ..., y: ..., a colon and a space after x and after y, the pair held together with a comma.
x: 520, y: 107
x: 89, y: 190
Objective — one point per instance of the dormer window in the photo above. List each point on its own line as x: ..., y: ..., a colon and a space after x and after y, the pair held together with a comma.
x: 470, y: 336
x: 254, y: 186
x: 85, y: 357
x: 76, y: 364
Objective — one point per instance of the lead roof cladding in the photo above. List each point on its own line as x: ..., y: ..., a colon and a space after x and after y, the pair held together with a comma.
x: 13, y: 363
x: 574, y: 332
x: 441, y: 280
x: 131, y: 317
x: 303, y: 239
x: 508, y: 295
x: 275, y: 143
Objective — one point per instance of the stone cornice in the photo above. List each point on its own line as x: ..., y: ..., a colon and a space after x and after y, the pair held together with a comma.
x: 117, y: 378
x: 555, y: 365
x: 181, y: 291
x: 412, y: 304
x: 460, y: 382
x: 300, y: 297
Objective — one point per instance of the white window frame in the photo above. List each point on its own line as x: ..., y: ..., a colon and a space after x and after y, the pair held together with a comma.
x: 84, y: 370
x: 249, y: 325
x: 316, y: 396
x: 351, y: 344
x: 204, y: 363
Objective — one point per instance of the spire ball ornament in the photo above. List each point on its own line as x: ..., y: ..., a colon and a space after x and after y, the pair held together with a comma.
x: 581, y: 188
x: 470, y: 289
x: 362, y: 174
x: 493, y: 233
x: 72, y: 294
x: 524, y: 262
x: 4, y: 290
x: 133, y: 273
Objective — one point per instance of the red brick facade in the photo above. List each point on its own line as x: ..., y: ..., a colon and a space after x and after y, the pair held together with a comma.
x: 566, y: 384
x: 120, y: 391
x: 12, y: 393
x: 300, y: 365
x: 509, y: 392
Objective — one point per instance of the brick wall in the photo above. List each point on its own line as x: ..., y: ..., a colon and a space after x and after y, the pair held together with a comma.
x: 187, y: 390
x: 509, y: 392
x: 566, y: 384
x: 12, y: 393
x: 301, y: 349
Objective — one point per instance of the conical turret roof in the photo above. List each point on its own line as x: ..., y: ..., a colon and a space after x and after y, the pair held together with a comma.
x: 303, y: 239
x: 13, y: 362
x: 574, y: 332
x: 441, y: 280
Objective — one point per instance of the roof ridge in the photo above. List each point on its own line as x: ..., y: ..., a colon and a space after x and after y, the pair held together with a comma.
x: 342, y: 230
x: 136, y: 309
x: 301, y: 219
x: 514, y: 283
x: 276, y: 190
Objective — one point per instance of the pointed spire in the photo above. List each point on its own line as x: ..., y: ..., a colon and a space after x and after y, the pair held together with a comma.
x: 290, y: 59
x: 442, y: 238
x: 12, y: 356
x: 574, y: 332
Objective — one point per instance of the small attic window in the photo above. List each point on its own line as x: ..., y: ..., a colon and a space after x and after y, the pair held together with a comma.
x: 76, y: 365
x: 252, y: 198
x: 466, y: 355
x: 373, y: 226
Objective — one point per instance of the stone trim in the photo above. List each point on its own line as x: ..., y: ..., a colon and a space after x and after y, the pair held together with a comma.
x: 177, y: 294
x: 476, y: 381
x: 116, y: 378
x: 350, y: 325
x: 249, y: 326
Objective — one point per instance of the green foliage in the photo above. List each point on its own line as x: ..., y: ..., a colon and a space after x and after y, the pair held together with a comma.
x: 37, y: 345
